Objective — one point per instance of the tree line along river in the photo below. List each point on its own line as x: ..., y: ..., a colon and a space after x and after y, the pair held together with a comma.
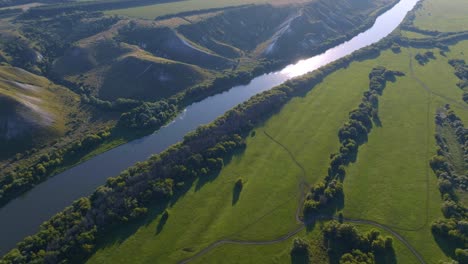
x: 23, y: 216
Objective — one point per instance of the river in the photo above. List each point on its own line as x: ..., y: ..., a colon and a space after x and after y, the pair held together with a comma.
x: 22, y: 216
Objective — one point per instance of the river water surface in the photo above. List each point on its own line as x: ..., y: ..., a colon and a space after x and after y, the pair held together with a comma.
x: 22, y: 216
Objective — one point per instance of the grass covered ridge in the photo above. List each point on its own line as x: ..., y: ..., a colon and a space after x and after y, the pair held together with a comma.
x: 33, y: 108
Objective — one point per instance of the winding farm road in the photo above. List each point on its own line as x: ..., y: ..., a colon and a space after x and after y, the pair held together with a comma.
x: 299, y: 229
x: 303, y: 184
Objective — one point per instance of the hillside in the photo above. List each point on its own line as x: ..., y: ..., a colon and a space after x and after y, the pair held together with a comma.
x: 81, y: 48
x: 32, y: 108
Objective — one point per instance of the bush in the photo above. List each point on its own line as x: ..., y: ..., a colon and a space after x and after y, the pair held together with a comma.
x: 357, y: 257
x: 239, y: 184
x: 461, y: 255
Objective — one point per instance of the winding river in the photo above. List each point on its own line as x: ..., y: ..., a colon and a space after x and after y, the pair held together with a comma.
x: 22, y: 216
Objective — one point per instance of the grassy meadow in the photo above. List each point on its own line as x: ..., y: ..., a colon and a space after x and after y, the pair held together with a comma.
x: 308, y: 127
x: 265, y: 210
x: 443, y: 15
x: 390, y: 183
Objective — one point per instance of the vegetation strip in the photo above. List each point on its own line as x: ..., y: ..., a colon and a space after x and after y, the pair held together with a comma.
x: 451, y: 166
x: 144, y: 181
x: 461, y: 71
x: 54, y: 44
x: 327, y: 196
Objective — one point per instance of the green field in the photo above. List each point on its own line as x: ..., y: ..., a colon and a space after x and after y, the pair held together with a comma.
x: 153, y: 11
x: 308, y: 127
x: 390, y: 183
x: 267, y: 204
x: 443, y: 15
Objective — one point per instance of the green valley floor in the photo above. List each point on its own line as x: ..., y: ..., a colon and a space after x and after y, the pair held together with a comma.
x: 390, y: 183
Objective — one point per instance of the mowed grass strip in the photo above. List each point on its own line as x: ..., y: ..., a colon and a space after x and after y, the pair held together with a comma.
x: 307, y: 126
x: 443, y: 15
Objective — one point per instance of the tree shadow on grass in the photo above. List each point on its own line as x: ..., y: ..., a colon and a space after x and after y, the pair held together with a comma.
x: 300, y: 259
x: 377, y: 121
x: 386, y: 258
x: 324, y: 213
x: 202, y: 180
x: 446, y: 245
x: 162, y: 222
x: 236, y: 191
x: 119, y: 235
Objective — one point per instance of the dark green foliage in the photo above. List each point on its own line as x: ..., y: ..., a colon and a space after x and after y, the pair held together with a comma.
x: 239, y: 185
x: 461, y: 255
x: 121, y: 104
x: 396, y: 48
x: 424, y: 58
x: 461, y: 71
x: 71, y: 234
x: 357, y: 257
x: 351, y: 135
x: 300, y: 251
x: 455, y: 225
x: 148, y: 115
x: 345, y: 243
x: 23, y: 178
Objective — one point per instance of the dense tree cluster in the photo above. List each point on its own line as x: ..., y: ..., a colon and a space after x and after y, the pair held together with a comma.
x: 149, y: 115
x: 344, y: 242
x: 452, y: 179
x: 425, y: 57
x: 395, y: 48
x: 461, y: 71
x: 121, y: 104
x: 23, y: 178
x: 300, y: 251
x: 353, y: 133
x: 357, y: 257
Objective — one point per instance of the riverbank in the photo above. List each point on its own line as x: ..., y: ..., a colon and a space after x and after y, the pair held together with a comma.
x: 270, y: 101
x: 120, y: 135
